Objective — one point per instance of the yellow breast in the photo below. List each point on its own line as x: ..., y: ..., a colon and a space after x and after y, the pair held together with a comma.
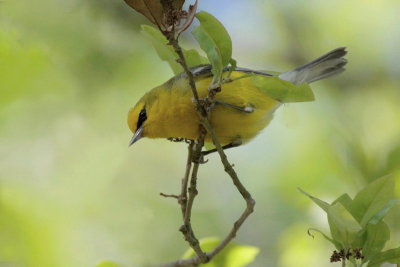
x: 173, y: 114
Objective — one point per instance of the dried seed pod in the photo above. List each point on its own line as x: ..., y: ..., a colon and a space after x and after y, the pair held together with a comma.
x: 166, y: 14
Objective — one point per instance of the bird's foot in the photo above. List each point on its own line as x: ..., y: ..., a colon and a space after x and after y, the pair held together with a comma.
x: 179, y: 140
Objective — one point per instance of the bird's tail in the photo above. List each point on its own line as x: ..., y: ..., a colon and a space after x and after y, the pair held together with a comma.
x: 323, y: 67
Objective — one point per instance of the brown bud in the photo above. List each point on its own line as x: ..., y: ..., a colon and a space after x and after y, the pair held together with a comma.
x: 166, y: 14
x: 335, y: 256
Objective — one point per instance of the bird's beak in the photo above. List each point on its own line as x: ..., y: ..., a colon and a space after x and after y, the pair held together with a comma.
x: 136, y: 136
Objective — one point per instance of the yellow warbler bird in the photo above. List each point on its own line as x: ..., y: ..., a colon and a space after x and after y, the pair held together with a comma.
x: 242, y: 109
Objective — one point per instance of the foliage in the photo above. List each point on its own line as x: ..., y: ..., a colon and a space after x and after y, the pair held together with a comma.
x: 71, y: 192
x: 357, y: 224
x: 167, y: 53
x: 215, y: 41
x: 234, y: 255
x: 283, y: 91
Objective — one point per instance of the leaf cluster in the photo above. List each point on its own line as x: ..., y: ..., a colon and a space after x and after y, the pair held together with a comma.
x: 358, y: 223
x: 167, y: 53
x: 213, y: 39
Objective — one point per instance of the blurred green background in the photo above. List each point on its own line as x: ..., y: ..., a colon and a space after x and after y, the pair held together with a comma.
x: 73, y: 194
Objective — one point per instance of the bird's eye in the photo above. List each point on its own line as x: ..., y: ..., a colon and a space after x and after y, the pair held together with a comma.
x: 142, y: 118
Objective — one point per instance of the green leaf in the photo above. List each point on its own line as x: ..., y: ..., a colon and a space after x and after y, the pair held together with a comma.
x: 240, y: 256
x: 233, y: 64
x: 372, y: 199
x: 322, y: 204
x: 337, y: 245
x: 108, y: 264
x: 206, y: 244
x: 382, y: 213
x: 212, y: 51
x: 232, y: 67
x: 376, y: 237
x: 283, y: 91
x: 346, y: 201
x: 215, y: 41
x: 193, y: 58
x: 218, y: 33
x: 167, y: 53
x: 393, y: 159
x: 344, y: 228
x: 234, y: 255
x: 391, y: 256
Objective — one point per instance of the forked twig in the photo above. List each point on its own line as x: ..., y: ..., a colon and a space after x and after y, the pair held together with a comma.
x: 194, y: 155
x: 189, y: 20
x: 186, y: 228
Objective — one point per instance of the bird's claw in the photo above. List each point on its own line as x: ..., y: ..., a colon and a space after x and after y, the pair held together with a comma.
x: 200, y: 160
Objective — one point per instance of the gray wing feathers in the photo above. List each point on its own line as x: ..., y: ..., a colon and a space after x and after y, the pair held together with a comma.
x: 323, y: 67
x: 206, y: 69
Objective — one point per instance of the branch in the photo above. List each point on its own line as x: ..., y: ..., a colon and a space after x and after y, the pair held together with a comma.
x: 186, y: 228
x: 250, y: 202
x: 183, y: 197
x: 196, y: 157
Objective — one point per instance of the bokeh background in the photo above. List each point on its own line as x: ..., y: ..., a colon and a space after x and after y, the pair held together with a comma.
x: 73, y: 194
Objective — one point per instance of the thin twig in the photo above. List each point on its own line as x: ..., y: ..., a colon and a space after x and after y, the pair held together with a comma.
x: 183, y: 263
x: 250, y: 202
x: 189, y: 20
x: 182, y: 61
x: 169, y: 195
x: 205, y: 128
x: 186, y: 228
x: 183, y: 197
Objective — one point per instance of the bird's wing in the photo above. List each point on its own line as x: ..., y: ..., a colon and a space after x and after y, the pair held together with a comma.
x: 205, y: 70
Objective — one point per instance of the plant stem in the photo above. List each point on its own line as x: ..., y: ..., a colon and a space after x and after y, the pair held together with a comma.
x: 250, y: 202
x: 196, y: 157
x: 182, y: 61
x: 183, y: 196
x: 186, y: 228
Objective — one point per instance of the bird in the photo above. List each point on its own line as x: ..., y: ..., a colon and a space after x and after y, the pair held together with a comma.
x: 240, y: 111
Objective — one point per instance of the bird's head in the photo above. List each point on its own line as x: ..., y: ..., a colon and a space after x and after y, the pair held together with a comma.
x: 162, y: 113
x: 144, y: 116
x: 137, y: 118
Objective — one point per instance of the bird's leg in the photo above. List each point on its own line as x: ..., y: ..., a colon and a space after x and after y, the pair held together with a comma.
x: 247, y: 109
x: 231, y: 145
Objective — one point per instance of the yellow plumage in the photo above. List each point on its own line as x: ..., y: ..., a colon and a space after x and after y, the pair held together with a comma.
x: 169, y: 111
x: 172, y: 112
